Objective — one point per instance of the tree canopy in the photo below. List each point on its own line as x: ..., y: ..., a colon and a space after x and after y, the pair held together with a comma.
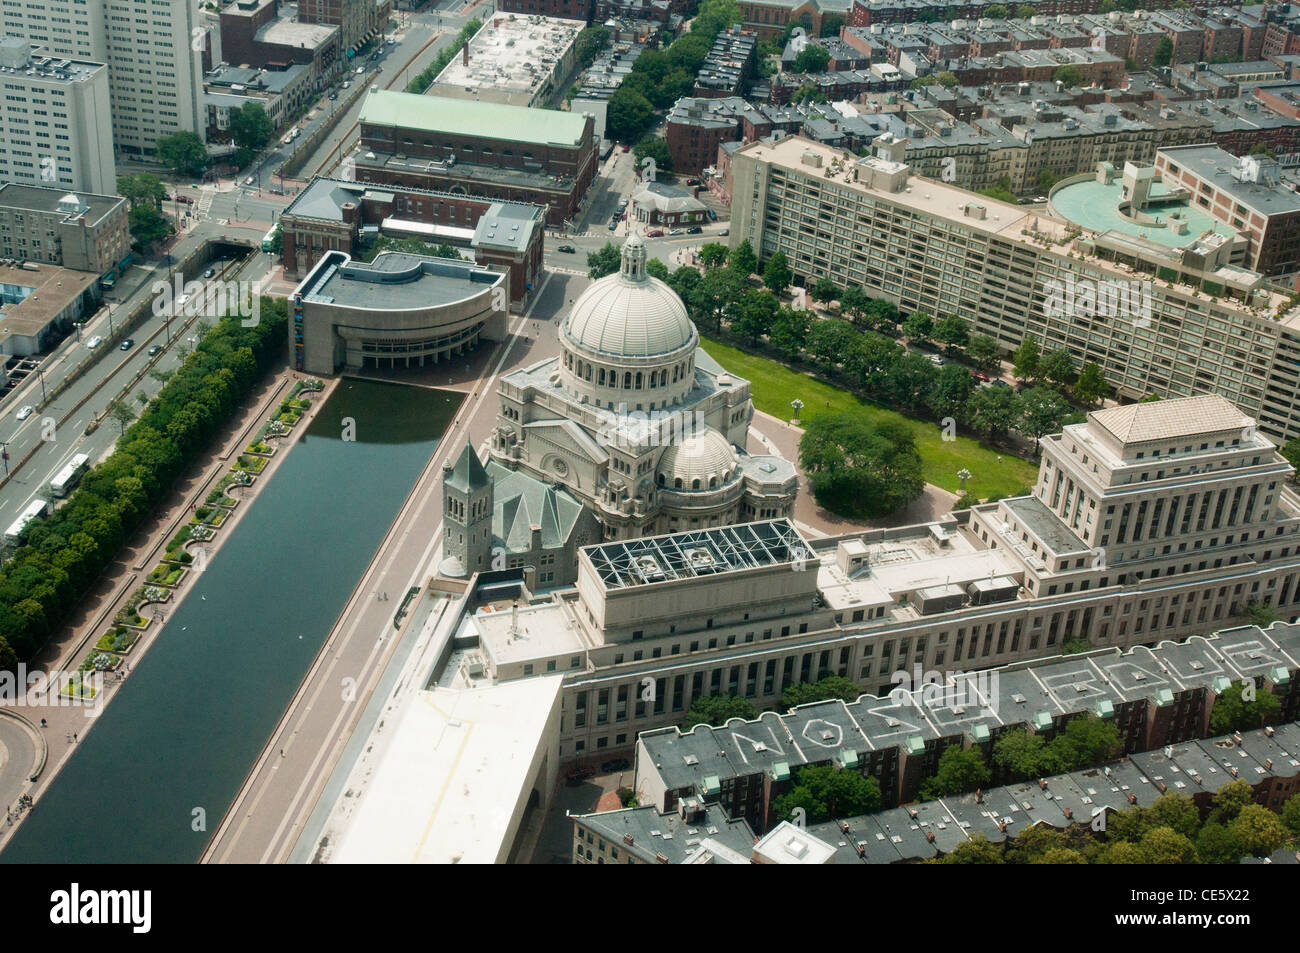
x: 859, y: 469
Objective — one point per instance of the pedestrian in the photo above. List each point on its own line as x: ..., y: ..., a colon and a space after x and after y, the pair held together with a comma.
x: 74, y: 736
x: 281, y: 752
x: 42, y: 722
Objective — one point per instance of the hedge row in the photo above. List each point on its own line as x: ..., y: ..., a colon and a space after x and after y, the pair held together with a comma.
x: 430, y: 72
x: 64, y: 553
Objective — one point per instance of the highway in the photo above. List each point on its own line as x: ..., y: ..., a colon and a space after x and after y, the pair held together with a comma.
x: 57, y: 432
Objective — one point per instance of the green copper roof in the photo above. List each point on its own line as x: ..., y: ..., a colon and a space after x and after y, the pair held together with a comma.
x: 468, y: 117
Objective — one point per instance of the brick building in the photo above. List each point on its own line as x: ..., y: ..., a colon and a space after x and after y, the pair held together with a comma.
x: 487, y: 150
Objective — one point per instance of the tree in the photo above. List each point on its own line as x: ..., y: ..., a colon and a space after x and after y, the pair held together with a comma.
x: 1290, y: 813
x: 121, y: 412
x: 881, y: 315
x: 1061, y: 855
x: 713, y: 254
x: 947, y: 79
x: 1161, y: 845
x: 1258, y: 830
x: 1026, y: 360
x: 977, y: 850
x: 1022, y: 755
x: 1261, y: 614
x: 853, y: 301
x: 1040, y: 411
x: 1164, y: 52
x: 983, y: 351
x: 829, y: 340
x: 811, y: 59
x: 1176, y: 811
x: 1069, y: 75
x: 789, y: 331
x: 629, y: 116
x: 1216, y: 844
x: 1024, y: 11
x: 1119, y: 852
x: 857, y: 469
x: 147, y: 225
x: 1057, y: 366
x: 277, y: 239
x: 991, y: 410
x: 1292, y: 454
x: 657, y: 151
x: 909, y: 382
x: 832, y: 23
x: 952, y: 332
x: 918, y: 326
x: 997, y: 12
x: 959, y: 770
x: 714, y: 293
x: 824, y: 291
x: 826, y: 792
x: 951, y: 391
x: 1045, y: 179
x: 1241, y: 707
x: 830, y: 687
x: 250, y: 127
x: 1229, y: 800
x: 604, y: 262
x: 752, y: 314
x: 656, y: 269
x: 183, y: 153
x: 776, y: 274
x: 743, y: 259
x: 808, y: 93
x: 589, y: 43
x: 717, y: 709
x: 141, y: 189
x: 1091, y: 385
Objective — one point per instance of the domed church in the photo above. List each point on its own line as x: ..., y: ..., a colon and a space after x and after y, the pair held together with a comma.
x: 632, y: 421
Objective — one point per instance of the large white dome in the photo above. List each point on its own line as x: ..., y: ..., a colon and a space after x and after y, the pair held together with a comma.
x: 705, y: 456
x: 630, y: 314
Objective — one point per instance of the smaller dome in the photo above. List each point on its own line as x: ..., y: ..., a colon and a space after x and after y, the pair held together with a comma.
x: 706, y: 457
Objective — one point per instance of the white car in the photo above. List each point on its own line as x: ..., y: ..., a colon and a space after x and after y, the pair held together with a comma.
x: 25, y: 412
x: 936, y: 360
x: 360, y: 70
x: 94, y: 342
x: 249, y: 181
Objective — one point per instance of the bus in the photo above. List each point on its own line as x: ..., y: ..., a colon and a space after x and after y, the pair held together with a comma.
x: 269, y: 240
x: 34, y: 509
x: 69, y: 476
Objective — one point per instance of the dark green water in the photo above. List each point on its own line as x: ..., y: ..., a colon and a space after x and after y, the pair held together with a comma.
x: 194, y: 713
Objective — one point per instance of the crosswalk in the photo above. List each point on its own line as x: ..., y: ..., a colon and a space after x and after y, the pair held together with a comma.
x: 204, y: 204
x: 560, y: 269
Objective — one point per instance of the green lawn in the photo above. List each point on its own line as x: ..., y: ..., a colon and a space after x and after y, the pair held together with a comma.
x: 773, y: 386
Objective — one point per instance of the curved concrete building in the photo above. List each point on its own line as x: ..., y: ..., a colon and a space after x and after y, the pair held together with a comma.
x: 398, y: 311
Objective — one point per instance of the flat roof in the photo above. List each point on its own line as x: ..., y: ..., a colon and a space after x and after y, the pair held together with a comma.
x: 1216, y: 166
x: 397, y: 281
x: 1095, y: 206
x: 436, y: 796
x: 34, y: 198
x: 469, y: 117
x: 52, y: 289
x: 705, y: 552
x: 510, y: 58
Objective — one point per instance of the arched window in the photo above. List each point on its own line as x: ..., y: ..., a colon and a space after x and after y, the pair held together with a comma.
x: 713, y: 483
x: 638, y: 380
x: 627, y: 380
x: 695, y: 484
x: 661, y: 479
x: 600, y: 378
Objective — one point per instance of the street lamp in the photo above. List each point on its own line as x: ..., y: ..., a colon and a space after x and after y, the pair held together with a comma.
x: 963, y: 474
x: 797, y: 404
x: 110, y: 320
x: 4, y: 452
x: 40, y: 375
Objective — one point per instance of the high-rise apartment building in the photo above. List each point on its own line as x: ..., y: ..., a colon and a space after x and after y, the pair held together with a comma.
x: 54, y: 129
x: 152, y: 51
x: 1125, y: 269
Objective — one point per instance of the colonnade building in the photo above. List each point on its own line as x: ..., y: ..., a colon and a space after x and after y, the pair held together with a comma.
x: 1126, y: 271
x: 1149, y: 522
